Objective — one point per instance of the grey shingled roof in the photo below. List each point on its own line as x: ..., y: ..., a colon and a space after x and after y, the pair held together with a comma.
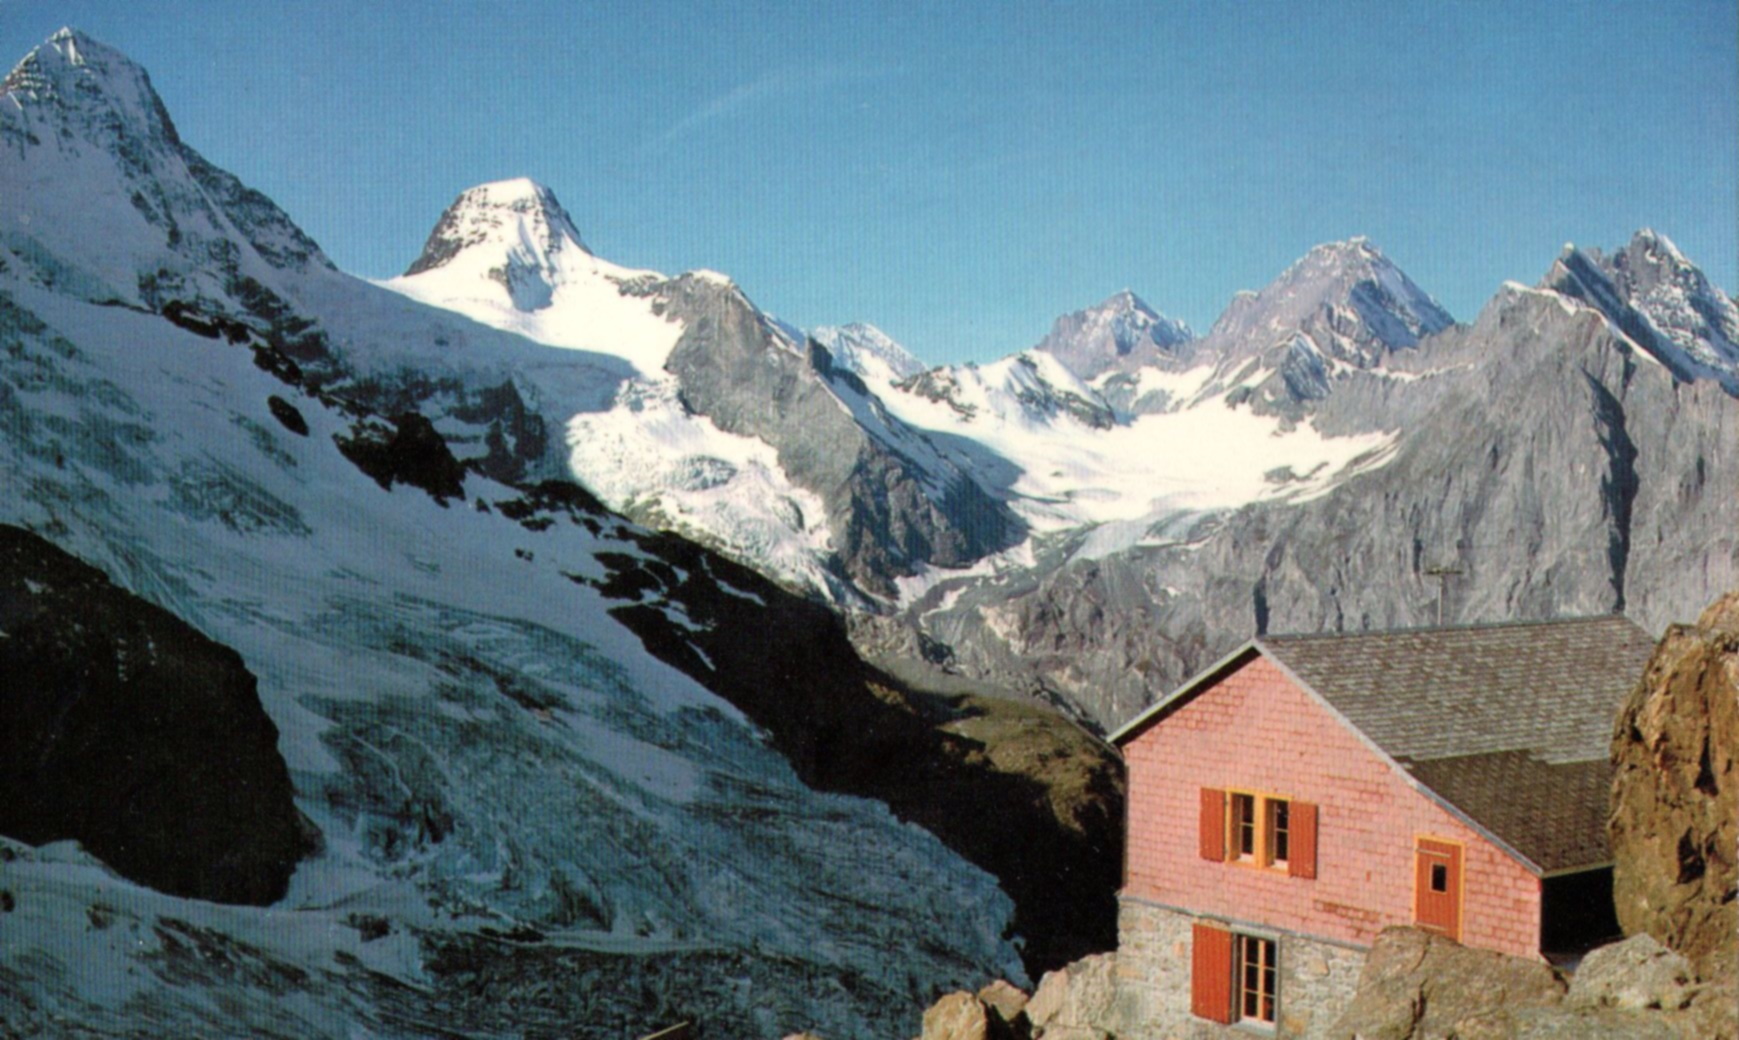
x: 1508, y: 723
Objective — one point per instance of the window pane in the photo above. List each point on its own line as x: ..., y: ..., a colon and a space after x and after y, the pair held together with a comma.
x: 1279, y: 830
x: 1256, y: 978
x: 1244, y: 825
x: 1439, y: 877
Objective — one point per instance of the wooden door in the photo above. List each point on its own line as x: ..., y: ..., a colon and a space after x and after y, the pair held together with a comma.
x: 1437, y: 887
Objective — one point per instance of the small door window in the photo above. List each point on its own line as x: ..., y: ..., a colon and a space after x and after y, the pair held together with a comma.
x: 1439, y: 877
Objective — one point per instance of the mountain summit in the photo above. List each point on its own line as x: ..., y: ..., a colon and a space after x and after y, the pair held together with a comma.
x: 70, y: 72
x: 1123, y: 332
x: 1349, y: 297
x: 514, y: 230
x: 1661, y: 301
x: 81, y: 124
x: 1341, y: 305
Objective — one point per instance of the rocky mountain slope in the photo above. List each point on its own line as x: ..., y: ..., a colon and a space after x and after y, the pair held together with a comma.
x: 1549, y: 460
x: 1335, y: 453
x: 733, y: 428
x: 528, y: 821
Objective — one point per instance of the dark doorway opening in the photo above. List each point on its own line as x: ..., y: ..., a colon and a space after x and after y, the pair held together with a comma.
x: 1576, y: 912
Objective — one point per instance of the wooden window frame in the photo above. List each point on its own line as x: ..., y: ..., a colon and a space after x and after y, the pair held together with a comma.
x: 1262, y: 807
x: 1268, y: 971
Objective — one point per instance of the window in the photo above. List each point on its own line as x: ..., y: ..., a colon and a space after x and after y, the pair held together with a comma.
x: 1234, y: 976
x: 1258, y: 829
x: 1260, y: 826
x: 1244, y: 827
x: 1256, y: 980
x: 1279, y: 812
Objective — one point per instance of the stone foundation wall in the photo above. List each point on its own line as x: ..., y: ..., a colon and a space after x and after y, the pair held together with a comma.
x: 1316, y: 979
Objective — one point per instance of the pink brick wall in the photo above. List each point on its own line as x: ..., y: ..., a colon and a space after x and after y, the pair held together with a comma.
x: 1255, y: 730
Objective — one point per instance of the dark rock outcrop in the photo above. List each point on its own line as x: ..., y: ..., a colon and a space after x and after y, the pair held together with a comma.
x: 125, y: 729
x: 1675, y: 798
x: 410, y: 451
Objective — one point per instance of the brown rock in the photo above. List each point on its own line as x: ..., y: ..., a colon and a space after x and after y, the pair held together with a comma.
x: 962, y: 1016
x: 1416, y: 985
x: 1675, y: 794
x: 1047, y: 1001
x: 1636, y: 973
x: 1008, y: 1002
x: 1079, y: 996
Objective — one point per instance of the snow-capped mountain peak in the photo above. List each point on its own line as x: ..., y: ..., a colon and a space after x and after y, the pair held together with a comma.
x: 868, y: 351
x: 81, y: 123
x: 72, y: 71
x: 507, y: 254
x: 513, y: 232
x: 1121, y: 333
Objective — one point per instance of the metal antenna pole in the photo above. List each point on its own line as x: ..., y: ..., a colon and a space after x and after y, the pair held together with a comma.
x: 1442, y: 574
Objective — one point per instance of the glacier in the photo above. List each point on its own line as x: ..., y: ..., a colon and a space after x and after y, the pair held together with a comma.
x: 528, y: 823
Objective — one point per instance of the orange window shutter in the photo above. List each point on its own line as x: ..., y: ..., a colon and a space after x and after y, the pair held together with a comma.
x: 1301, y: 859
x: 1211, y: 973
x: 1213, y: 825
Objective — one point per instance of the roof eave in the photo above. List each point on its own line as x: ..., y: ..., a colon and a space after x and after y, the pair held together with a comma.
x: 1178, y: 696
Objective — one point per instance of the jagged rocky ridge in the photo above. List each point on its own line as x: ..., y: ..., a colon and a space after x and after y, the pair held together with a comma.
x: 1550, y: 460
x: 528, y: 821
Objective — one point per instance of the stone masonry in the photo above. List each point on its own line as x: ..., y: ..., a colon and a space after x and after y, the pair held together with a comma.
x: 1316, y: 978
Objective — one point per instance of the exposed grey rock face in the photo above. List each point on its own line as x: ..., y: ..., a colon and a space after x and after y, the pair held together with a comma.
x: 894, y: 501
x: 1122, y: 333
x: 1662, y: 301
x: 1343, y: 305
x: 1538, y: 453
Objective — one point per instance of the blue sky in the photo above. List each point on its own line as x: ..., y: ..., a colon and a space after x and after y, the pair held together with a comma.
x: 962, y: 176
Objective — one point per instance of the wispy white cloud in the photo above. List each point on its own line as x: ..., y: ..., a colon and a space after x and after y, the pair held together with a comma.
x: 773, y: 85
